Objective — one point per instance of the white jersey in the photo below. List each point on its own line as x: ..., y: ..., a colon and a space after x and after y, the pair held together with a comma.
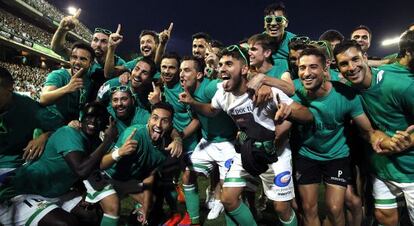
x: 240, y: 106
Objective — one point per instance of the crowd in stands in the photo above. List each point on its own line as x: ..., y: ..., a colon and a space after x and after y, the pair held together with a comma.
x: 55, y: 14
x: 28, y: 79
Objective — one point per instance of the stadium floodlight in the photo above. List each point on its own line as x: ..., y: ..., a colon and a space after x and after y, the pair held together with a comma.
x: 391, y: 41
x: 72, y: 10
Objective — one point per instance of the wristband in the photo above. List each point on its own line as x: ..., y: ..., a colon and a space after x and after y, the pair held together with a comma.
x: 115, y: 154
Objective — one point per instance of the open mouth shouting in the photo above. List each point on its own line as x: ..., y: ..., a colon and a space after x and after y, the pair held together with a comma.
x: 146, y: 50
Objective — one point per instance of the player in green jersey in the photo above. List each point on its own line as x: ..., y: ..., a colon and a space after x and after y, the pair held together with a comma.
x: 67, y: 89
x: 19, y: 116
x: 388, y: 100
x: 323, y: 150
x: 70, y: 155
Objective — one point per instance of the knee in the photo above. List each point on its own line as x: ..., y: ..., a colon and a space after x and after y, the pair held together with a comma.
x: 353, y: 203
x: 335, y: 209
x: 110, y: 206
x: 283, y: 210
x: 229, y: 200
x: 386, y: 216
x: 310, y: 209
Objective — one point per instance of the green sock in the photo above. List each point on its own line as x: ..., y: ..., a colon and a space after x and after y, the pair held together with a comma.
x: 242, y: 215
x: 108, y: 220
x: 292, y: 220
x: 192, y: 202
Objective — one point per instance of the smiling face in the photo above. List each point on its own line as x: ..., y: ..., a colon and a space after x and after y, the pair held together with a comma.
x: 257, y: 54
x: 147, y: 45
x: 123, y: 104
x: 275, y: 29
x: 93, y: 121
x: 79, y: 58
x: 159, y: 123
x: 311, y: 72
x: 353, y: 66
x: 363, y: 38
x: 169, y: 71
x: 199, y: 47
x: 231, y: 70
x: 141, y: 75
x: 189, y: 75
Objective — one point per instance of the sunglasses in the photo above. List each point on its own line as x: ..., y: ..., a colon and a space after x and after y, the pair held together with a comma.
x: 120, y: 88
x: 103, y: 30
x: 236, y: 47
x: 322, y: 44
x: 278, y: 19
x: 302, y: 39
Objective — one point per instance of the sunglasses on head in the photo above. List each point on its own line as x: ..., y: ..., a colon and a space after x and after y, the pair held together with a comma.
x: 120, y: 88
x: 234, y: 47
x: 278, y: 19
x: 103, y: 30
x: 324, y: 45
x: 303, y: 39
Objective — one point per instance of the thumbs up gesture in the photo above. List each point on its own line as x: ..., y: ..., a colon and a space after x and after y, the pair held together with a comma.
x: 185, y: 97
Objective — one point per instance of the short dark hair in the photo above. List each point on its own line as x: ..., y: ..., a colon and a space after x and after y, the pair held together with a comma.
x: 216, y: 44
x: 406, y: 43
x: 81, y: 45
x: 163, y: 105
x: 198, y: 63
x: 345, y: 45
x: 6, y: 79
x: 278, y: 6
x: 202, y: 35
x: 362, y: 27
x: 172, y: 55
x: 297, y: 45
x: 265, y: 41
x: 150, y: 32
x: 332, y: 35
x: 237, y: 54
x: 151, y: 63
x: 314, y: 52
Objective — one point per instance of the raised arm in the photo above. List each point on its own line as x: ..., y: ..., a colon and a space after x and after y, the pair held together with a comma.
x: 164, y: 37
x: 59, y: 37
x: 202, y: 108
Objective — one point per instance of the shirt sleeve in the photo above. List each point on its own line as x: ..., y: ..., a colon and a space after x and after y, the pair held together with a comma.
x: 217, y: 99
x: 67, y: 140
x: 54, y: 78
x: 285, y: 99
x: 211, y: 89
x: 356, y: 108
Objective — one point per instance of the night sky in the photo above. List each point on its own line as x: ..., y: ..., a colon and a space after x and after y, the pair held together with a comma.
x: 230, y: 21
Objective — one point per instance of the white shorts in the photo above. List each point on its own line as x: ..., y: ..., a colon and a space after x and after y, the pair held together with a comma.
x: 206, y: 154
x: 386, y: 192
x: 94, y: 196
x: 277, y: 180
x: 30, y: 209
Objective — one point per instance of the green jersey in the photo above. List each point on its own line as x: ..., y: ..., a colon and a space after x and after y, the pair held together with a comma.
x: 325, y: 139
x: 274, y: 72
x: 280, y: 57
x: 142, y: 162
x: 398, y: 69
x: 17, y: 125
x: 131, y: 65
x: 97, y: 69
x: 140, y: 116
x: 50, y: 175
x: 182, y: 114
x: 70, y: 104
x: 389, y: 103
x: 219, y: 128
x: 104, y: 93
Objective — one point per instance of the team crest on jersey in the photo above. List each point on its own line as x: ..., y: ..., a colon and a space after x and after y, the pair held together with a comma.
x: 283, y: 179
x: 228, y: 163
